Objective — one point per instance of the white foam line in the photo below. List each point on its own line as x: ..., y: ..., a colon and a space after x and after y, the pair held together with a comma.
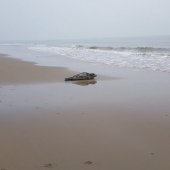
x: 130, y: 59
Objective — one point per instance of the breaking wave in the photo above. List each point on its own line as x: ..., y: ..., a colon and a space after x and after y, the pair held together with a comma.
x: 157, y: 59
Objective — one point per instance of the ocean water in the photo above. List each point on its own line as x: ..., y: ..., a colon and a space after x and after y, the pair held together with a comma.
x: 149, y: 53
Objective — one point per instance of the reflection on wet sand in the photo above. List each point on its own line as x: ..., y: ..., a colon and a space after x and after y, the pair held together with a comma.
x: 84, y: 82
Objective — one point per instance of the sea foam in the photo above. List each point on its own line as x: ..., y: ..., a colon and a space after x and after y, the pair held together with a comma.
x: 157, y: 59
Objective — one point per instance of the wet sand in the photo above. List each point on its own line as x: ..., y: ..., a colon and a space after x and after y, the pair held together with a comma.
x: 15, y: 71
x: 103, y: 125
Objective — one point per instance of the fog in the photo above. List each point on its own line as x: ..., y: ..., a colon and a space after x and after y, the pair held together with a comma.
x: 82, y: 19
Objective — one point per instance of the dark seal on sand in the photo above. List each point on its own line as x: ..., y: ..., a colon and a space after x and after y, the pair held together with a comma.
x: 81, y: 76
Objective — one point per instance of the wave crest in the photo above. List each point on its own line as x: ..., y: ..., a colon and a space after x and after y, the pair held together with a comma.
x: 127, y: 57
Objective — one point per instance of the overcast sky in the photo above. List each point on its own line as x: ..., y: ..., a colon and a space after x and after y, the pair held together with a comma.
x: 73, y: 19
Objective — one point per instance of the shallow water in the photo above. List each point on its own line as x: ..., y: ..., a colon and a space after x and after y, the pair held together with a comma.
x: 133, y: 53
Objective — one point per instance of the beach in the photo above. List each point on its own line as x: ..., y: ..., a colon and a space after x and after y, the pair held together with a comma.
x: 14, y: 71
x: 119, y: 122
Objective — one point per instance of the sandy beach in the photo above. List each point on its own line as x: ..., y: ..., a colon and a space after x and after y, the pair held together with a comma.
x: 45, y: 123
x: 15, y: 71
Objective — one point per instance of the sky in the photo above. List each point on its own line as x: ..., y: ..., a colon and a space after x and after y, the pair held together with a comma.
x: 82, y: 19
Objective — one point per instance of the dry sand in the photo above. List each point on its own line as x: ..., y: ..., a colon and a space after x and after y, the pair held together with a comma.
x: 117, y: 124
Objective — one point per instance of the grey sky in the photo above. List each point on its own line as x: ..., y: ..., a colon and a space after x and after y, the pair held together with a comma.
x: 72, y: 19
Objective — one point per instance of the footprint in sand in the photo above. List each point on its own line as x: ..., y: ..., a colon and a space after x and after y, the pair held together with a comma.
x: 152, y: 153
x: 88, y: 162
x: 48, y: 165
x: 58, y: 113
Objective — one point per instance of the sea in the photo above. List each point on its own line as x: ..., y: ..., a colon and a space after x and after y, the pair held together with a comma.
x: 142, y: 53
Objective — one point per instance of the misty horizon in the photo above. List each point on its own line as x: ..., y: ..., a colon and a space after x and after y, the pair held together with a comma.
x: 80, y: 19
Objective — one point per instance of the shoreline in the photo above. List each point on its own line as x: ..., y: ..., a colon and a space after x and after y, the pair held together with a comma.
x: 16, y: 71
